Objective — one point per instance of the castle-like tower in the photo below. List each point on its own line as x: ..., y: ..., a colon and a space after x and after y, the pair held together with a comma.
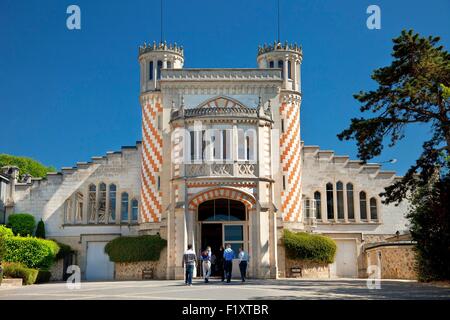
x: 153, y: 59
x: 288, y: 58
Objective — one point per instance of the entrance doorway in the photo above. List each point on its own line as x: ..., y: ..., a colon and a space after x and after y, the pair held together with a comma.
x: 223, y: 221
x: 212, y: 236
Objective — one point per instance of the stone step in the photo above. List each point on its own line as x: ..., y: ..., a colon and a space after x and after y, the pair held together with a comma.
x: 14, y: 282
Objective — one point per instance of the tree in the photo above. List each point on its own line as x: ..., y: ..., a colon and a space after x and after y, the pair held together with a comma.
x: 430, y: 227
x: 25, y: 165
x: 413, y: 89
x: 40, y: 230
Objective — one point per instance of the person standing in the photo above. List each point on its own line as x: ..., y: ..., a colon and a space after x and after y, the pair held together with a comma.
x: 206, y: 263
x: 228, y: 256
x: 220, y: 263
x: 243, y: 263
x: 189, y: 261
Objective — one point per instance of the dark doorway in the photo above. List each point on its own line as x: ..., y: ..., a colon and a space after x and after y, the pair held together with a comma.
x: 212, y: 236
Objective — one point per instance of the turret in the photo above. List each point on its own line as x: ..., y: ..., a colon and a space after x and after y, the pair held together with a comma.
x: 287, y: 57
x: 153, y: 58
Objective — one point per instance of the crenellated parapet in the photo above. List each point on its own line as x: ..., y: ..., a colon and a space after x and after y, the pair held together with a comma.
x: 278, y: 46
x: 161, y: 47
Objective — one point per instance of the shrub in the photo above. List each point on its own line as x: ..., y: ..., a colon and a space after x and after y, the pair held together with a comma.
x: 310, y: 247
x: 22, y: 224
x: 5, y: 231
x: 43, y: 276
x: 132, y: 249
x: 40, y: 230
x: 18, y: 270
x: 64, y: 250
x: 32, y: 252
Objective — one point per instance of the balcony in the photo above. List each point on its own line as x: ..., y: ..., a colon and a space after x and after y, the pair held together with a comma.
x: 237, y: 169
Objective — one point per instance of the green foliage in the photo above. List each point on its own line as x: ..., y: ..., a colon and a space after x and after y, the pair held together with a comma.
x: 43, y: 276
x: 430, y: 227
x: 40, y: 230
x: 309, y: 247
x: 21, y: 224
x: 18, y: 270
x: 5, y: 231
x: 25, y: 165
x: 413, y: 89
x: 64, y: 250
x: 132, y: 249
x: 32, y: 252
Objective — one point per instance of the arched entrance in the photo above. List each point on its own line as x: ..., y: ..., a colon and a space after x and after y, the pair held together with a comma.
x: 222, y: 216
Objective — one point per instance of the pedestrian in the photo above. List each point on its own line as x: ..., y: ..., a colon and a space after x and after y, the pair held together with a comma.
x: 228, y: 256
x: 220, y: 263
x: 206, y: 263
x: 189, y: 261
x: 243, y: 263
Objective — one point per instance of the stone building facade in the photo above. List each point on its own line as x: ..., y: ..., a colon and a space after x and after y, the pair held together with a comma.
x: 221, y: 161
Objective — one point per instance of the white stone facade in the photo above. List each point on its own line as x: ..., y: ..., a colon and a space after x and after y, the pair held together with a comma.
x: 221, y: 153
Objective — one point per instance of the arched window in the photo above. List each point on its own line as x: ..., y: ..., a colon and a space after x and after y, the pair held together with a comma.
x: 158, y: 69
x: 92, y: 209
x: 289, y: 70
x: 221, y: 210
x: 124, y: 207
x: 102, y: 203
x: 340, y: 199
x: 318, y: 205
x: 363, y: 205
x: 307, y: 208
x: 169, y: 64
x: 271, y: 64
x: 68, y: 211
x: 280, y: 65
x: 373, y: 209
x: 150, y: 70
x: 350, y: 202
x: 134, y: 210
x: 330, y: 210
x: 112, y: 202
x: 250, y: 145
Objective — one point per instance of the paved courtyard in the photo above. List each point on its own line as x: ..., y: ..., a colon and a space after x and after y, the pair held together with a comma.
x: 253, y: 290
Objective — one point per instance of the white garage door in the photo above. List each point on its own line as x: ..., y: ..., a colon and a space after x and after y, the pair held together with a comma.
x: 98, y: 265
x: 345, y: 264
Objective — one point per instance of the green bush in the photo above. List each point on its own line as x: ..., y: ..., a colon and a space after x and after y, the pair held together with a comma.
x: 43, y: 276
x: 32, y: 252
x: 132, y: 249
x: 22, y: 224
x: 40, y: 230
x: 64, y: 250
x: 18, y: 270
x: 5, y: 231
x: 309, y: 247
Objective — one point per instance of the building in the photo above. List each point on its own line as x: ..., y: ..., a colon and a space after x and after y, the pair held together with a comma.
x: 221, y: 161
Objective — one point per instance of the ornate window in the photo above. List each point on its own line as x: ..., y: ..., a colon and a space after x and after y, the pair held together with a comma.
x: 350, y: 202
x: 124, y: 207
x: 92, y: 208
x: 112, y: 202
x: 317, y: 197
x: 340, y: 199
x: 169, y: 64
x: 102, y: 203
x: 79, y: 207
x: 158, y: 70
x: 68, y: 211
x: 363, y: 205
x: 222, y: 210
x: 271, y: 64
x: 134, y: 210
x: 373, y: 209
x: 330, y: 202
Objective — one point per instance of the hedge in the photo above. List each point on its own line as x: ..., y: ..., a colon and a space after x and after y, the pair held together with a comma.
x: 133, y: 249
x: 40, y: 230
x: 32, y: 252
x: 64, y: 250
x: 18, y: 270
x: 5, y: 231
x: 22, y: 224
x: 309, y: 247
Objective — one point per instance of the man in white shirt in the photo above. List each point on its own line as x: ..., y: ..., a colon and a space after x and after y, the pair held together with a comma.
x: 243, y: 263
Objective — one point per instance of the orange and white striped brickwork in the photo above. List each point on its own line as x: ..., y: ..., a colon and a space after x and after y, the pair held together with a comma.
x: 290, y: 158
x: 152, y: 148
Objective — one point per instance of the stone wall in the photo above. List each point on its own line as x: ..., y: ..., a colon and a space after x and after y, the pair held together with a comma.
x: 308, y: 269
x: 57, y: 270
x: 396, y: 261
x: 133, y: 270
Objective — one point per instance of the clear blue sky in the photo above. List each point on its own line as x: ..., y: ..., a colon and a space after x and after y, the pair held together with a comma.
x: 68, y: 95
